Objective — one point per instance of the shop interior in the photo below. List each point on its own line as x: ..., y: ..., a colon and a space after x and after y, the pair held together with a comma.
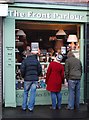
x: 52, y: 38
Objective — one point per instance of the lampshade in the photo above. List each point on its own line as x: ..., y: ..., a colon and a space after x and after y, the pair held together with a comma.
x: 72, y: 38
x: 60, y: 39
x: 61, y: 32
x: 52, y: 38
x: 20, y: 33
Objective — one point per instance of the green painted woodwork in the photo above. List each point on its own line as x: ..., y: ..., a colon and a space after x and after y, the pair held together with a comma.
x: 82, y: 52
x: 47, y: 14
x: 82, y: 58
x: 43, y: 97
x: 14, y: 97
x: 51, y: 6
x: 9, y: 62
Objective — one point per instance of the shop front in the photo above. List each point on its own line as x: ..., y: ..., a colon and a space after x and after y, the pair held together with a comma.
x: 32, y: 23
x: 3, y: 14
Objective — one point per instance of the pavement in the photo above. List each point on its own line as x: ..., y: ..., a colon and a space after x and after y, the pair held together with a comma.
x: 44, y: 112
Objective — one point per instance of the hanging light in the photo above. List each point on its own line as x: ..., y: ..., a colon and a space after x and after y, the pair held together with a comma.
x: 72, y: 38
x: 20, y: 33
x: 61, y: 32
x: 52, y: 38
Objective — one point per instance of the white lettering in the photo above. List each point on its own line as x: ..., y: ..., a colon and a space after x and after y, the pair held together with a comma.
x: 10, y: 13
x: 81, y: 17
x: 34, y: 14
x: 30, y: 14
x: 39, y: 15
x: 72, y: 17
x: 65, y: 17
x: 16, y: 14
x: 48, y: 15
x: 55, y: 15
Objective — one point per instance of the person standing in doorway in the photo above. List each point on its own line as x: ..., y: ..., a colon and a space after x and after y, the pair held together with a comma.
x: 73, y: 73
x: 54, y: 78
x: 30, y: 71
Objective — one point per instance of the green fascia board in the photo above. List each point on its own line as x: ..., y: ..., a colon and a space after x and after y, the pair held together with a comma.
x: 51, y: 6
x: 47, y: 14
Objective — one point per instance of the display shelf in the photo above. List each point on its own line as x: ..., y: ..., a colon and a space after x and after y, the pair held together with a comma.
x: 62, y: 63
x: 47, y: 63
x: 41, y: 83
x: 44, y: 63
x: 17, y: 63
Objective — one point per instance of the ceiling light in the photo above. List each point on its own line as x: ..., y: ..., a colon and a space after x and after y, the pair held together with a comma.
x: 72, y: 38
x: 60, y: 32
x: 52, y: 38
x: 20, y: 33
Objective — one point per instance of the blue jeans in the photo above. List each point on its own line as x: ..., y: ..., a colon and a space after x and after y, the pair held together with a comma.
x: 56, y: 98
x: 74, y: 94
x: 29, y: 86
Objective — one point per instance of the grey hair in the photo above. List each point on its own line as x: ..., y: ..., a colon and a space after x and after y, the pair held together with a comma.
x: 70, y: 54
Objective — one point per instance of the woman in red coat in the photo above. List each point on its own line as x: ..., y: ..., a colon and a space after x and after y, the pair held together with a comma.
x: 54, y: 78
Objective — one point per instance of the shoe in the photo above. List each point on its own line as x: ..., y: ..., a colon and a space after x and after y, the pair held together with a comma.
x: 30, y: 110
x: 52, y: 108
x: 23, y: 109
x: 58, y: 108
x: 76, y: 109
x: 68, y: 108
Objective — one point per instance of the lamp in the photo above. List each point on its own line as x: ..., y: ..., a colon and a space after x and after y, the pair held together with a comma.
x: 72, y: 39
x: 61, y: 32
x: 52, y: 38
x: 20, y: 33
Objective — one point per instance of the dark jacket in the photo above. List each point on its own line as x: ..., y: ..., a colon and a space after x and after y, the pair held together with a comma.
x: 31, y: 68
x: 73, y: 68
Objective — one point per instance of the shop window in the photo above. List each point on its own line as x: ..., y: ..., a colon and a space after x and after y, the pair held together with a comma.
x: 50, y: 45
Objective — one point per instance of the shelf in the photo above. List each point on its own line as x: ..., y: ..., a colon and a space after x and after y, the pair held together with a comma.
x: 36, y: 89
x: 63, y: 63
x: 42, y: 63
x: 20, y: 80
x: 17, y: 63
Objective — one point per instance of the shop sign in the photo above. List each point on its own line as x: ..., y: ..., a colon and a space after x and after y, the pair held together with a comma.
x: 9, y: 56
x: 44, y: 14
x: 3, y: 9
x: 42, y: 97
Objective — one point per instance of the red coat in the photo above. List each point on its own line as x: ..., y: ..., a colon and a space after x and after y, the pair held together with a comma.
x: 54, y: 76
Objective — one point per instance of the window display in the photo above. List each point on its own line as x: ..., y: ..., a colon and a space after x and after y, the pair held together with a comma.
x: 50, y: 45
